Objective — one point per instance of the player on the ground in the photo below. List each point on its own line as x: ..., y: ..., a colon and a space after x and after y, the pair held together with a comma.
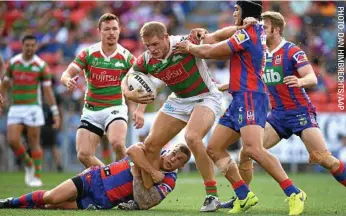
x: 26, y: 72
x: 104, y: 187
x: 246, y: 115
x: 287, y: 73
x: 194, y: 103
x: 105, y: 64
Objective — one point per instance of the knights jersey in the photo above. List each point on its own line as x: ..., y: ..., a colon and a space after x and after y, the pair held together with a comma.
x: 247, y: 61
x: 284, y: 61
x: 103, y: 75
x: 27, y: 77
x: 118, y: 181
x: 184, y: 74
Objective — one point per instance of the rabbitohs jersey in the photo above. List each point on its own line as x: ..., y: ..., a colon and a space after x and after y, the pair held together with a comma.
x: 284, y: 61
x: 184, y: 74
x: 103, y: 75
x: 27, y: 77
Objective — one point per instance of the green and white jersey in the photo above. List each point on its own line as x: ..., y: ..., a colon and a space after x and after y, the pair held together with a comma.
x: 27, y: 77
x: 103, y: 75
x: 184, y: 74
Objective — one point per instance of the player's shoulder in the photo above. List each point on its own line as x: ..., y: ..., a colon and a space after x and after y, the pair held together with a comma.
x: 292, y: 48
x: 123, y: 51
x: 96, y: 47
x: 41, y: 63
x: 16, y: 58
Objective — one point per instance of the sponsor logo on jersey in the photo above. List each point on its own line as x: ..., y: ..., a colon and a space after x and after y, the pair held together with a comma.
x: 241, y: 36
x: 107, y: 170
x: 173, y: 74
x: 278, y: 59
x: 273, y: 75
x: 176, y: 57
x: 300, y: 57
x: 101, y: 77
x: 119, y: 64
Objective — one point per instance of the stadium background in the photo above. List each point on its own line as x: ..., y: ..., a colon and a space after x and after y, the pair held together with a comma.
x: 63, y: 29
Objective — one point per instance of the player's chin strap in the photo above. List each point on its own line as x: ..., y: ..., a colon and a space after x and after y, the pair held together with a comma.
x: 224, y: 164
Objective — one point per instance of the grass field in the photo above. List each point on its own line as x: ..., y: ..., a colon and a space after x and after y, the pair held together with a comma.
x: 325, y: 196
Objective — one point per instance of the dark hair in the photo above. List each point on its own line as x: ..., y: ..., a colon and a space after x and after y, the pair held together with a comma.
x: 184, y: 149
x: 28, y: 37
x: 107, y: 17
x: 250, y: 9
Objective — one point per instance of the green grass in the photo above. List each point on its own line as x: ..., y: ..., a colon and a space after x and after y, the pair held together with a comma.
x: 325, y: 196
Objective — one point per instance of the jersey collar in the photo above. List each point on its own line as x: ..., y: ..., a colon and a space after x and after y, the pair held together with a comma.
x: 107, y: 58
x: 281, y: 44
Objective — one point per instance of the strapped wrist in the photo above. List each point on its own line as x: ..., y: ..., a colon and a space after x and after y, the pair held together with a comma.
x: 54, y: 109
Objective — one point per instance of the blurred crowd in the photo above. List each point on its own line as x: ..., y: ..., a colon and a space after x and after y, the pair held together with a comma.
x: 64, y: 28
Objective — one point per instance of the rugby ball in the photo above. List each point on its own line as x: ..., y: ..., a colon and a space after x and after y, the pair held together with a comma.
x: 140, y: 80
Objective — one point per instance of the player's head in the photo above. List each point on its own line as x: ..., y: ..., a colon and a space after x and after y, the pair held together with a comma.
x: 29, y: 43
x: 273, y: 24
x: 155, y: 38
x: 245, y: 9
x: 176, y: 158
x: 108, y: 28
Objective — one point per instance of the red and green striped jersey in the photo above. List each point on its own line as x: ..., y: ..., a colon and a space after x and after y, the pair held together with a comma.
x: 184, y: 74
x: 27, y: 77
x: 103, y: 75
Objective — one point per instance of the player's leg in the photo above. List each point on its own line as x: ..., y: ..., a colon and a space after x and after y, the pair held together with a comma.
x: 271, y: 138
x: 116, y: 133
x: 36, y: 152
x: 65, y: 192
x: 200, y: 122
x: 106, y: 150
x: 316, y: 146
x: 164, y: 128
x: 86, y: 144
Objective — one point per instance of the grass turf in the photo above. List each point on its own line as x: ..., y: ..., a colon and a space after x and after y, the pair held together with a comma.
x: 325, y: 196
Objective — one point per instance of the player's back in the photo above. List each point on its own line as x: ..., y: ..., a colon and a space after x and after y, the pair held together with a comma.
x: 118, y: 181
x: 184, y: 74
x: 284, y: 61
x: 27, y: 77
x: 248, y: 59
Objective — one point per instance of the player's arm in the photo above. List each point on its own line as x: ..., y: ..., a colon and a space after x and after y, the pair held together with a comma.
x: 137, y: 154
x: 2, y: 67
x: 5, y: 83
x: 307, y: 77
x: 148, y: 198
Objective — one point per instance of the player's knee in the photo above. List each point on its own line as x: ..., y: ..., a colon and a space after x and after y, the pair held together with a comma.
x: 325, y: 159
x: 253, y: 152
x: 117, y: 144
x: 84, y: 156
x: 211, y: 152
x: 224, y: 164
x: 193, y: 139
x: 49, y: 198
x: 12, y: 140
x: 245, y: 162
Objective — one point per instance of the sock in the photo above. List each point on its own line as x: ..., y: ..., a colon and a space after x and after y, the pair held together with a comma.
x: 37, y: 157
x: 211, y: 188
x: 107, y: 156
x: 288, y: 187
x: 23, y: 155
x: 30, y: 200
x: 340, y: 174
x: 241, y: 189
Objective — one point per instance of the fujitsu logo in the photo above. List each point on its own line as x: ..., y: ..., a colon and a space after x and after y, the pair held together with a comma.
x: 104, y: 77
x: 25, y: 77
x: 172, y: 74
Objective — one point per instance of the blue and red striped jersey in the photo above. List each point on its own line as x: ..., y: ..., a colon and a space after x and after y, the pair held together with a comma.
x: 248, y: 60
x: 284, y: 61
x: 118, y: 181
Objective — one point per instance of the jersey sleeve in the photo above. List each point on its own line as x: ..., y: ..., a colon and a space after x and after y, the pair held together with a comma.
x: 140, y: 64
x: 131, y: 59
x: 80, y: 62
x: 298, y: 57
x: 240, y: 40
x: 167, y: 185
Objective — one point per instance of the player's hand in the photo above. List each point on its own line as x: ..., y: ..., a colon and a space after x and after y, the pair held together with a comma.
x: 157, y: 176
x: 2, y: 103
x: 183, y: 47
x: 197, y: 34
x: 57, y: 121
x: 292, y: 81
x: 72, y: 83
x: 138, y: 96
x: 248, y: 21
x: 138, y: 118
x: 222, y: 87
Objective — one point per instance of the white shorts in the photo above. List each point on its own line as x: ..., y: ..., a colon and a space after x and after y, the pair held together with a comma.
x: 98, y: 121
x: 181, y: 108
x: 30, y: 115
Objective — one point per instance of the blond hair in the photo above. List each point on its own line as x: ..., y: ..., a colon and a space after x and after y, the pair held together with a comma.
x: 107, y: 17
x: 276, y: 19
x: 151, y: 29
